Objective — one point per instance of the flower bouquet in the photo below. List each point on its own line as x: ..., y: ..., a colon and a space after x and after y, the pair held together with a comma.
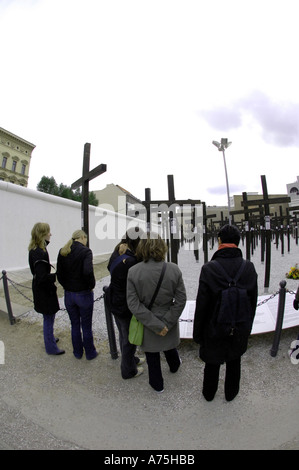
x: 293, y: 272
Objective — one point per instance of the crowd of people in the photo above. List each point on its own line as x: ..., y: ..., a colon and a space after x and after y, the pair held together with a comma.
x: 137, y: 265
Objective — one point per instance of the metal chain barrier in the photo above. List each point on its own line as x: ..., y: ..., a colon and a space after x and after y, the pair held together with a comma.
x: 16, y: 286
x: 109, y: 320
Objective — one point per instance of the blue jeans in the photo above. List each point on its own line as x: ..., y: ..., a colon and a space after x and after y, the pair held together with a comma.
x: 50, y: 341
x: 79, y: 306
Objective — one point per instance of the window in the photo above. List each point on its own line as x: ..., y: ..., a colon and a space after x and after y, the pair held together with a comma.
x: 23, y: 169
x: 294, y: 190
x: 14, y: 165
x: 4, y: 161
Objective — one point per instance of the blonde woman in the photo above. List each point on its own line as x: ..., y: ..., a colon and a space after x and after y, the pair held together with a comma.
x: 43, y: 283
x: 161, y: 328
x: 75, y: 274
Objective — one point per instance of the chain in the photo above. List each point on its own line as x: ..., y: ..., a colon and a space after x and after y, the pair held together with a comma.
x: 268, y: 298
x: 15, y: 284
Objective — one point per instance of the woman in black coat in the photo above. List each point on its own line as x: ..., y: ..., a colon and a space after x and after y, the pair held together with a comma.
x: 121, y: 260
x: 216, y: 351
x: 43, y: 284
x: 75, y: 273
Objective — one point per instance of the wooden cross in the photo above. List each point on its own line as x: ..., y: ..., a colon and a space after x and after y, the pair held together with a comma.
x: 266, y: 201
x: 174, y: 241
x: 84, y: 182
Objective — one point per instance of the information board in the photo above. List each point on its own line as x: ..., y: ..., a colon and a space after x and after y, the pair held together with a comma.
x: 264, y: 321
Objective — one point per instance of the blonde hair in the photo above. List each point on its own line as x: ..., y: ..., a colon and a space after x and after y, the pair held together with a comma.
x: 151, y: 245
x: 38, y: 234
x: 67, y: 247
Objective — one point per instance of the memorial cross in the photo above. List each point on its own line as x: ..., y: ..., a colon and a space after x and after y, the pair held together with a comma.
x: 174, y: 241
x: 266, y: 201
x: 87, y: 175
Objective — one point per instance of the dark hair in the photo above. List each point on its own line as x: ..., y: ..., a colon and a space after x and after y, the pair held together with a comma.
x: 132, y: 238
x: 229, y: 234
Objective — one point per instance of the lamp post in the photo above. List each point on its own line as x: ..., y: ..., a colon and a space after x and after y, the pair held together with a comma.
x: 221, y: 147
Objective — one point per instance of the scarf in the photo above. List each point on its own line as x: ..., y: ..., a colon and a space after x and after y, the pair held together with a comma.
x: 227, y: 245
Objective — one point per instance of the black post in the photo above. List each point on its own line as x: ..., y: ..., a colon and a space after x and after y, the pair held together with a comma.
x: 148, y: 209
x: 7, y: 298
x: 85, y: 192
x: 267, y: 233
x: 110, y: 328
x: 173, y: 222
x: 247, y: 227
x: 84, y: 182
x: 262, y: 234
x: 281, y: 230
x: 205, y: 235
x: 279, y: 319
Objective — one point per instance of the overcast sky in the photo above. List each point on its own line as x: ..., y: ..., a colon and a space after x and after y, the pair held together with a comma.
x: 150, y: 84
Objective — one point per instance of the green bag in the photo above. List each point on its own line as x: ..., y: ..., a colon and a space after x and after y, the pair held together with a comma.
x: 135, y: 331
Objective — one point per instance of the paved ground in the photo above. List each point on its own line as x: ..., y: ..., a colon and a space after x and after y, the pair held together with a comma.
x: 59, y: 402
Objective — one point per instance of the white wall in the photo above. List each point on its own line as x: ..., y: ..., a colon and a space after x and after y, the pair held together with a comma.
x: 21, y: 208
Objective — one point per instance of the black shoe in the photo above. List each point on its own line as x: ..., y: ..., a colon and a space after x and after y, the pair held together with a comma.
x: 59, y: 352
x: 209, y: 396
x: 231, y: 394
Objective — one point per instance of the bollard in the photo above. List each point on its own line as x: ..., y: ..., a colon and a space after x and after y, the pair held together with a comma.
x: 110, y: 328
x: 7, y: 298
x: 279, y: 319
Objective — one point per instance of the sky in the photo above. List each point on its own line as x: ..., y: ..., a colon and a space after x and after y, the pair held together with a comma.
x: 150, y: 85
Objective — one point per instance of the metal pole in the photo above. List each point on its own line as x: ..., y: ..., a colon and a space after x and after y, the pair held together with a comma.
x: 279, y: 319
x: 7, y: 298
x: 227, y: 189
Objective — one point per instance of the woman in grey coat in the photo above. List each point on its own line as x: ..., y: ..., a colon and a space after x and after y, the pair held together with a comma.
x: 161, y: 328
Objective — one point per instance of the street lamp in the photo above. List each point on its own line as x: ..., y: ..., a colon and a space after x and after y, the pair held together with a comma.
x: 221, y: 147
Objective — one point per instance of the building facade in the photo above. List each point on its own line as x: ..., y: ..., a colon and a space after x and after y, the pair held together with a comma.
x: 116, y: 198
x: 293, y: 193
x: 15, y: 157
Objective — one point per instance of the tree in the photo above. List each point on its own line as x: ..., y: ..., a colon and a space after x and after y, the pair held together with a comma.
x: 48, y: 185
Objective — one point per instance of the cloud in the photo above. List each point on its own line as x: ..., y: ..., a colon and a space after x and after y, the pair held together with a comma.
x: 278, y: 121
x: 223, y: 118
x: 220, y: 190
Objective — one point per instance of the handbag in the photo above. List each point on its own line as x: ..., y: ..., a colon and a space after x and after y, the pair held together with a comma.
x: 136, y: 327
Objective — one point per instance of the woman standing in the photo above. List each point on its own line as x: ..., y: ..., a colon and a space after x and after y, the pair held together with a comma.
x: 75, y: 274
x: 161, y: 328
x: 43, y: 284
x: 122, y: 259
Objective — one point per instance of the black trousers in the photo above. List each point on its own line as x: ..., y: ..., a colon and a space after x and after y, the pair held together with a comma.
x: 154, y: 367
x: 232, y: 379
x: 128, y: 365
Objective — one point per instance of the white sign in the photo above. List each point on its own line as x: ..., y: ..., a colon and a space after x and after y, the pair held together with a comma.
x: 264, y: 320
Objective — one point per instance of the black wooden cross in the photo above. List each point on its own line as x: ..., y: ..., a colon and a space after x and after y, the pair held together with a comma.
x: 266, y: 201
x: 84, y: 182
x: 174, y: 240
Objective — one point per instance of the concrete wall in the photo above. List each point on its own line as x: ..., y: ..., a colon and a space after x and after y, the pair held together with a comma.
x: 21, y: 208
